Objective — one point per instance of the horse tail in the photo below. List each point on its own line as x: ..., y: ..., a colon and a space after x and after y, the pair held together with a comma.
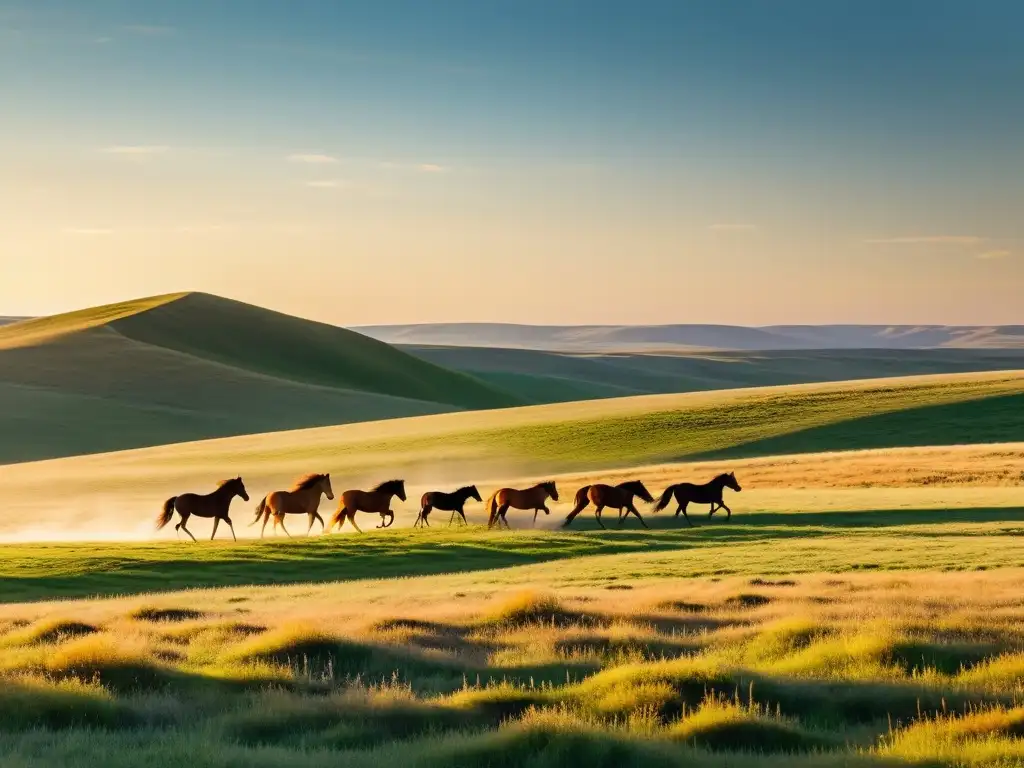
x: 666, y: 497
x: 165, y: 517
x: 581, y: 497
x: 261, y: 509
x: 492, y: 508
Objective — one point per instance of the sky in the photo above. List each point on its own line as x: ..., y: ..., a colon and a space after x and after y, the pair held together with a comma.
x: 530, y: 161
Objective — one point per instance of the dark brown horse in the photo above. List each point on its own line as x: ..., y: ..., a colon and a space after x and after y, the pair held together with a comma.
x: 213, y: 505
x: 302, y: 499
x: 709, y: 493
x: 378, y: 500
x: 446, y: 502
x: 618, y: 497
x: 531, y: 498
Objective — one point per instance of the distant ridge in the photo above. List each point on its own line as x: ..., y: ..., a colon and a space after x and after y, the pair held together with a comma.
x: 653, y: 338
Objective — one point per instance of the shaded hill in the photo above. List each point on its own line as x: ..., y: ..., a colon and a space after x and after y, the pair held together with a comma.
x: 641, y: 338
x: 188, y: 366
x: 545, y: 376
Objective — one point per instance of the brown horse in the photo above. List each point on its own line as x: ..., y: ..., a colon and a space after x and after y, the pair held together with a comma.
x: 618, y: 497
x: 709, y: 493
x: 302, y: 499
x: 531, y: 498
x: 215, y: 505
x: 446, y: 502
x: 378, y: 500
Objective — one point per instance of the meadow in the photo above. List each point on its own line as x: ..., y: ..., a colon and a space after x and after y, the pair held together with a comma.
x: 861, y: 607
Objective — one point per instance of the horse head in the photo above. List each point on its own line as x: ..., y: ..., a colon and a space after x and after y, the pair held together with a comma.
x: 239, y: 488
x: 730, y: 481
x: 473, y: 493
x: 325, y: 486
x: 640, y: 490
x: 552, y: 490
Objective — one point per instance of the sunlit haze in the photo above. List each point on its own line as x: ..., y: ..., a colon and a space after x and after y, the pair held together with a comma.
x: 533, y: 162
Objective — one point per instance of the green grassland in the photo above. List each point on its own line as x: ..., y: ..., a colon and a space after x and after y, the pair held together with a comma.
x: 539, y: 376
x: 859, y: 609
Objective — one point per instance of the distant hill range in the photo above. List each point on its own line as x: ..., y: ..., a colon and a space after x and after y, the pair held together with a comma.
x: 667, y: 338
x: 183, y: 367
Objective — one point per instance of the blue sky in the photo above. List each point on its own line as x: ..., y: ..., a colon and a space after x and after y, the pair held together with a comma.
x: 864, y: 160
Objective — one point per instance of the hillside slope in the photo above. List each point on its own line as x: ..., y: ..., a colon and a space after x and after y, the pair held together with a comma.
x: 192, y: 366
x: 539, y: 376
x: 646, y: 338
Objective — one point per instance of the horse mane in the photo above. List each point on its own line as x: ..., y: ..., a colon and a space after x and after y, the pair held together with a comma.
x: 388, y: 485
x: 307, y: 482
x: 722, y: 476
x: 465, y: 489
x: 225, y: 483
x: 549, y: 484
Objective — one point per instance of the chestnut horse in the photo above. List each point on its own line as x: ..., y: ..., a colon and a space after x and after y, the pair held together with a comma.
x: 378, y: 500
x: 709, y: 493
x: 618, y: 497
x: 531, y: 498
x: 446, y: 502
x: 215, y: 505
x: 302, y: 499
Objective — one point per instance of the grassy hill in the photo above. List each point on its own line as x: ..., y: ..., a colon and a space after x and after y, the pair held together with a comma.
x: 641, y: 338
x: 540, y: 376
x: 190, y: 366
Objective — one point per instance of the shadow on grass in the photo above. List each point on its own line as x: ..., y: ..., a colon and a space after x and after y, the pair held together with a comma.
x: 126, y: 569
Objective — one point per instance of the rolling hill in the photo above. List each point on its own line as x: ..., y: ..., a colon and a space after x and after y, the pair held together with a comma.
x: 652, y: 338
x: 190, y: 366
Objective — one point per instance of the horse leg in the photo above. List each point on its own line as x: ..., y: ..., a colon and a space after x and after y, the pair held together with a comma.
x: 597, y: 516
x: 323, y: 528
x: 728, y: 512
x: 500, y: 515
x: 682, y: 508
x: 352, y: 519
x: 633, y: 509
x: 266, y: 519
x: 713, y: 508
x: 312, y: 517
x: 283, y: 528
x: 184, y: 519
x: 462, y: 514
x: 216, y: 522
x: 535, y: 513
x: 232, y: 527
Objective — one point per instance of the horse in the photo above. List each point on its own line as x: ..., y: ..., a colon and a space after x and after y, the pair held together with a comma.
x: 618, y: 497
x: 302, y: 499
x: 378, y: 500
x: 709, y: 493
x: 447, y: 502
x: 531, y: 498
x: 215, y: 505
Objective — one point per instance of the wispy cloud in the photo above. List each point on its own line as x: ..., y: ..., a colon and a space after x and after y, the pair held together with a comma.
x: 136, y: 150
x: 928, y: 240
x: 1001, y: 253
x: 89, y: 231
x: 312, y: 159
x: 148, y: 30
x: 732, y: 227
x: 431, y: 168
x: 391, y: 165
x: 326, y: 184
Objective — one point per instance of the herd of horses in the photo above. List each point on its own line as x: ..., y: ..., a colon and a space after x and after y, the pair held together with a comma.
x: 305, y: 496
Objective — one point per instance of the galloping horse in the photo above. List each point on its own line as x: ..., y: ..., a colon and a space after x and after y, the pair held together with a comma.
x: 709, y: 493
x: 447, y: 502
x: 531, y: 498
x: 215, y: 505
x: 378, y: 500
x: 618, y: 497
x: 302, y: 499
